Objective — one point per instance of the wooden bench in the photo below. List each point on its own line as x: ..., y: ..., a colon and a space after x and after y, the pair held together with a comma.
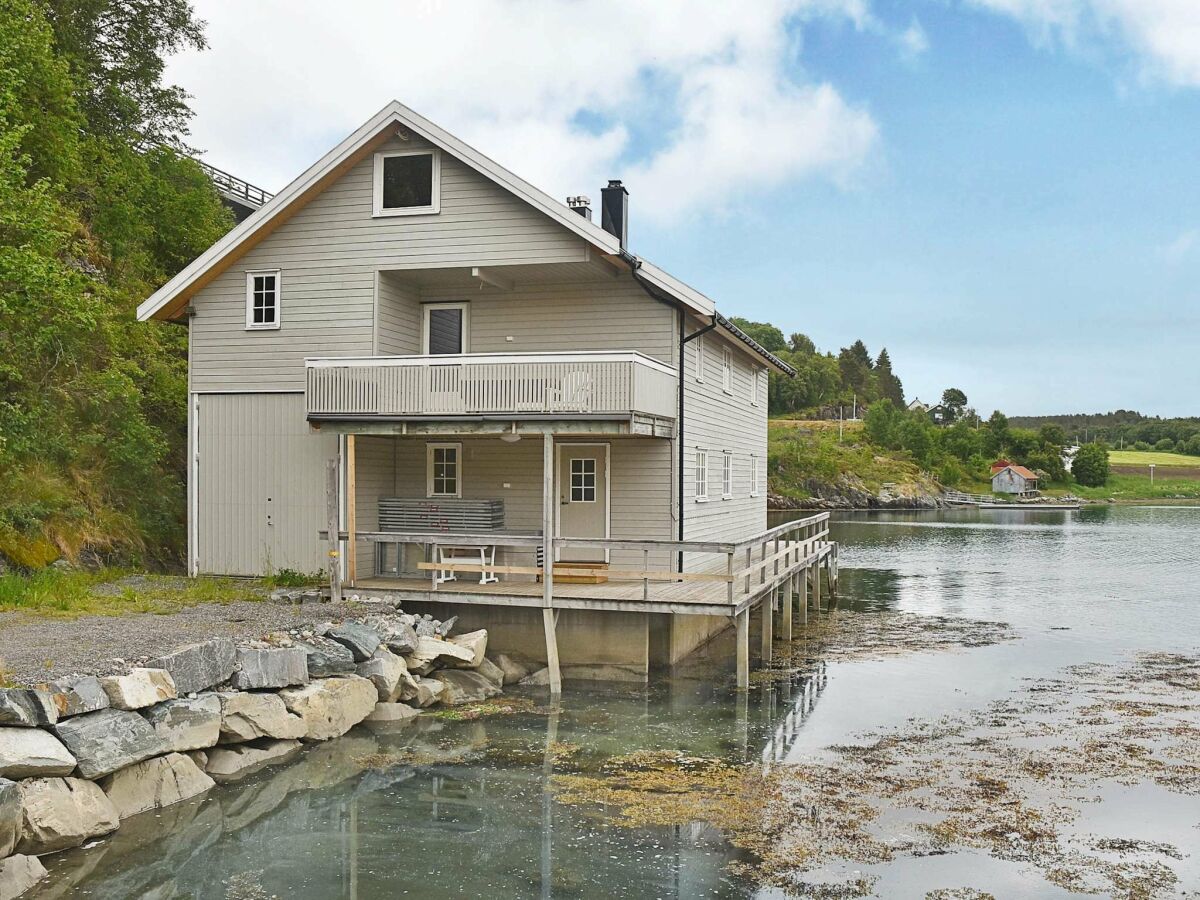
x: 442, y: 515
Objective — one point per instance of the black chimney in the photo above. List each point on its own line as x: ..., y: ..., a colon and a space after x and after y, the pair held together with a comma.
x: 614, y: 211
x: 581, y: 205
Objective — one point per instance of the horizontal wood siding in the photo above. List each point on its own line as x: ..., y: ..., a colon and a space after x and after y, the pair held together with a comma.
x: 328, y: 253
x: 374, y: 477
x: 397, y: 318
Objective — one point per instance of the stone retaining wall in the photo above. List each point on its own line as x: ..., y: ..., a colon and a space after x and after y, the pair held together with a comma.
x: 80, y: 754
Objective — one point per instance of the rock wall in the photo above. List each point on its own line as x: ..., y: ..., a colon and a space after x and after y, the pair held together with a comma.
x: 80, y: 754
x: 849, y: 492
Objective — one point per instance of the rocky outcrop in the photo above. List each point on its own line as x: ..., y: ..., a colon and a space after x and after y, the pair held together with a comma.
x: 248, y: 717
x: 332, y: 706
x: 155, y: 783
x: 850, y: 492
x: 197, y: 667
x: 227, y: 764
x: 30, y: 752
x: 270, y: 668
x: 189, y: 723
x: 138, y: 689
x: 110, y: 739
x: 58, y: 813
x: 76, y: 695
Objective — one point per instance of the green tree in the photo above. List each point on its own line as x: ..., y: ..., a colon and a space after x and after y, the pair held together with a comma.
x: 1166, y: 445
x: 1192, y: 447
x: 801, y: 343
x: 996, y: 433
x: 954, y: 402
x: 886, y: 382
x: 881, y: 424
x: 767, y: 335
x: 1090, y: 467
x: 1052, y: 435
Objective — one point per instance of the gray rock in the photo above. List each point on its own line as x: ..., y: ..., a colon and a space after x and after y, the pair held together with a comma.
x: 10, y: 816
x: 465, y: 686
x: 326, y: 658
x: 385, y: 670
x: 427, y: 693
x: 155, y: 783
x: 539, y: 678
x: 26, y: 708
x: 427, y: 627
x: 63, y: 812
x: 514, y: 667
x: 74, y: 696
x: 197, y: 667
x: 270, y: 668
x: 476, y: 643
x: 247, y: 717
x: 396, y: 632
x: 18, y: 874
x: 444, y: 628
x: 31, y: 752
x: 189, y: 723
x: 109, y: 739
x: 491, y: 672
x: 231, y: 763
x: 391, y: 713
x: 357, y: 638
x: 140, y: 688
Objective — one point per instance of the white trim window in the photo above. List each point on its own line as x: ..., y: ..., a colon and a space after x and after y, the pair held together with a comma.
x: 755, y: 377
x: 701, y: 358
x: 445, y: 328
x: 754, y: 475
x: 726, y: 371
x: 407, y: 183
x: 701, y: 476
x: 443, y: 470
x: 262, y: 299
x: 727, y: 475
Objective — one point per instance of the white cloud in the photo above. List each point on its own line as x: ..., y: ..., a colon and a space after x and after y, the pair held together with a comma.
x: 913, y: 41
x: 692, y: 105
x: 1179, y: 248
x: 1161, y: 37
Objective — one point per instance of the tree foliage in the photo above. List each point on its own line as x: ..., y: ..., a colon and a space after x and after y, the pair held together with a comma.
x: 1090, y: 466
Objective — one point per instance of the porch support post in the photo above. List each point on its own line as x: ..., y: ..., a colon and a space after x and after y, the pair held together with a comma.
x: 743, y: 649
x: 549, y: 619
x: 788, y: 601
x: 332, y: 525
x: 351, y: 513
x: 768, y: 626
x: 817, y: 586
x: 802, y: 587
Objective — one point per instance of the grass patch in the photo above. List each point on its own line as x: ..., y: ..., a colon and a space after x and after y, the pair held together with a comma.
x: 1136, y: 487
x: 1151, y: 458
x: 114, y: 592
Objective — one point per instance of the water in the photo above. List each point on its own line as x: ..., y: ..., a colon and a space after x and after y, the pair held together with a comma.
x: 464, y: 808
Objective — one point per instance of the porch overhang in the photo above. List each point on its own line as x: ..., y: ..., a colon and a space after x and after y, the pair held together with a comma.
x: 521, y: 425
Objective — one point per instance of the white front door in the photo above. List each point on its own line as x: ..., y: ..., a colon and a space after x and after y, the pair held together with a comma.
x: 582, y: 497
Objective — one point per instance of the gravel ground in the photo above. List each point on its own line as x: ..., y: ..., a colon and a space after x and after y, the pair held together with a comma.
x: 33, y: 650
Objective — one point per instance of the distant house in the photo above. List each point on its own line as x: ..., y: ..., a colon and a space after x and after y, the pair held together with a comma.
x: 917, y: 406
x: 1015, y: 480
x: 1000, y: 464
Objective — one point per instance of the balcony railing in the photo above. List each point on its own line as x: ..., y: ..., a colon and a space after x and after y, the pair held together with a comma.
x: 586, y: 383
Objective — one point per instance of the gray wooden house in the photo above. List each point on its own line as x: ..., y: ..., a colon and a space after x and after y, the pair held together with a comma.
x: 490, y: 373
x: 1014, y: 479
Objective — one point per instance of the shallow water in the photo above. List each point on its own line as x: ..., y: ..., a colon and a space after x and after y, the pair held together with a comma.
x: 463, y: 809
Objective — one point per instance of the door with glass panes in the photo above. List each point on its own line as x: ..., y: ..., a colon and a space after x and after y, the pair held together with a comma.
x: 582, y: 498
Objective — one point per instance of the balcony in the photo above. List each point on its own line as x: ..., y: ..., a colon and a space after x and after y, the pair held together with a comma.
x: 623, y: 385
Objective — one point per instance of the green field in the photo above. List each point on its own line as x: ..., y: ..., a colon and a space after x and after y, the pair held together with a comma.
x: 1150, y: 458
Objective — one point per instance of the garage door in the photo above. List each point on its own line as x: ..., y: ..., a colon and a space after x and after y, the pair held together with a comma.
x: 260, y: 485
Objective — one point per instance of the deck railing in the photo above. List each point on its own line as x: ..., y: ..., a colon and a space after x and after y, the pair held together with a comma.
x: 585, y: 383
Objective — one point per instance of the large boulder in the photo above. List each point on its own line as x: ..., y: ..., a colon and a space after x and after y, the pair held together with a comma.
x: 10, y: 816
x: 232, y: 763
x: 30, y: 752
x: 359, y: 639
x: 270, y: 668
x: 332, y: 706
x: 76, y: 695
x: 427, y: 692
x: 433, y: 653
x: 155, y: 783
x: 391, y: 713
x: 140, y: 688
x: 189, y: 723
x: 491, y: 672
x: 109, y: 739
x: 197, y: 667
x: 386, y: 671
x: 514, y: 667
x: 247, y: 717
x: 18, y: 874
x: 396, y: 632
x: 465, y: 686
x: 26, y: 708
x: 476, y: 643
x: 58, y: 813
x: 326, y: 657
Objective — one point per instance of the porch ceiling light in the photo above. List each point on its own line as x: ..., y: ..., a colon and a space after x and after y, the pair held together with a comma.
x: 510, y: 437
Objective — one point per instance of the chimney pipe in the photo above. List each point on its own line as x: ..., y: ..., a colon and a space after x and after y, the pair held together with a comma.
x: 581, y: 205
x: 614, y: 211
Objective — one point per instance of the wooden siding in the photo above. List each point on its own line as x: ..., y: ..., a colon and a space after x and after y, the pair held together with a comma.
x: 397, y: 318
x: 260, y: 489
x: 328, y: 254
x: 717, y: 421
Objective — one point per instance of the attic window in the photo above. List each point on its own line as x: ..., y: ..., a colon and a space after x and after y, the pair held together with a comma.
x: 262, y: 299
x: 407, y: 183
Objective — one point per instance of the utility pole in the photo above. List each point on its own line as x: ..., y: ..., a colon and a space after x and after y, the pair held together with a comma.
x: 839, y: 423
x: 1151, y: 474
x: 854, y: 407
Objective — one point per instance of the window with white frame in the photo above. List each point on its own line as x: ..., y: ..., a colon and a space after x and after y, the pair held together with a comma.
x: 700, y: 360
x: 446, y: 328
x: 755, y: 374
x: 727, y: 476
x: 407, y: 183
x: 443, y: 470
x: 726, y: 371
x: 262, y: 299
x: 583, y: 479
x: 754, y: 476
x: 701, y: 475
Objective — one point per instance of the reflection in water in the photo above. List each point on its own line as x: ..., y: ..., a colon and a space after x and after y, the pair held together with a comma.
x: 451, y: 808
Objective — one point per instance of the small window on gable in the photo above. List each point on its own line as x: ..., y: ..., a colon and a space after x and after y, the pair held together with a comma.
x: 726, y: 371
x: 407, y: 183
x: 701, y: 475
x: 262, y: 299
x: 755, y: 375
x: 443, y: 470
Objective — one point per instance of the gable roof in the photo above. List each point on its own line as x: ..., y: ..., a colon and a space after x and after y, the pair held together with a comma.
x: 170, y: 299
x: 1020, y: 470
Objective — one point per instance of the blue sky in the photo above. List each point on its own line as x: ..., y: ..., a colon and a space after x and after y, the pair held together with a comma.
x: 1005, y: 193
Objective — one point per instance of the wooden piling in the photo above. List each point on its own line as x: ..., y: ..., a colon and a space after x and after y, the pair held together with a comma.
x: 549, y: 618
x: 743, y: 649
x: 332, y: 524
x: 768, y: 626
x: 351, y: 512
x: 788, y: 600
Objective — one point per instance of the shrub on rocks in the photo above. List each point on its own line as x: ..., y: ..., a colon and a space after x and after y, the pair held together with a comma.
x: 197, y: 667
x: 189, y: 723
x: 30, y: 752
x: 332, y: 706
x: 76, y: 695
x: 227, y: 764
x: 247, y: 717
x: 271, y: 668
x: 109, y: 739
x: 138, y: 689
x: 155, y: 783
x: 58, y: 813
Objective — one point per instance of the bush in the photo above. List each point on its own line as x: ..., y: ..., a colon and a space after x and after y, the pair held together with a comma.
x: 1090, y: 467
x: 1166, y: 445
x: 1141, y: 445
x: 950, y: 472
x: 1192, y: 447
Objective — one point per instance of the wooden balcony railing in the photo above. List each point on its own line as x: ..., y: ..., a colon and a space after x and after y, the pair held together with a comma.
x: 584, y: 383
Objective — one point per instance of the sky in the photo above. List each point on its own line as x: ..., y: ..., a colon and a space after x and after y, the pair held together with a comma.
x: 1004, y: 193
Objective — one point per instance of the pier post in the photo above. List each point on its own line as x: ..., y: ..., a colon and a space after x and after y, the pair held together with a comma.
x: 743, y: 649
x: 802, y: 588
x: 817, y: 586
x: 549, y: 618
x: 768, y: 626
x: 333, y: 527
x: 788, y: 600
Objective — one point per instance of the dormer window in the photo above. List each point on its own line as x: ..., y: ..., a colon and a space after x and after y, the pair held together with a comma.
x: 262, y: 299
x: 407, y: 183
